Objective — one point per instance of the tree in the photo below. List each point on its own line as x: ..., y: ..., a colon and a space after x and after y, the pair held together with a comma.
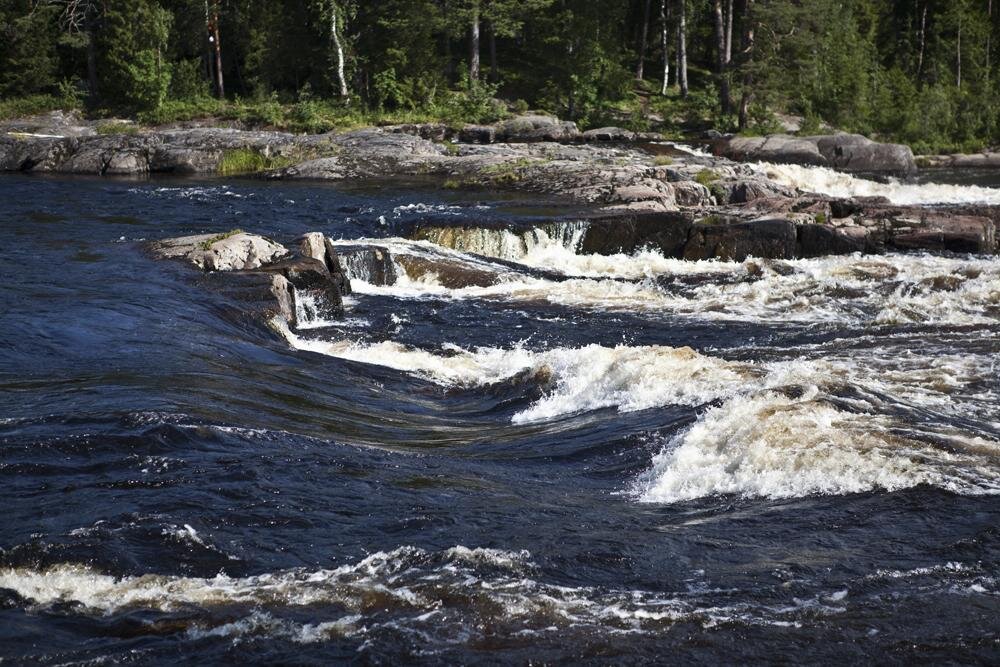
x: 642, y: 40
x: 135, y: 75
x: 721, y: 62
x: 682, y: 63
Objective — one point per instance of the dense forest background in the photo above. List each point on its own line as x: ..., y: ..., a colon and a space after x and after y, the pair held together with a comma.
x: 918, y: 71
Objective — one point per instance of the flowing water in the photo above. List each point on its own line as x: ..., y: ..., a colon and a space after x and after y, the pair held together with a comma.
x: 568, y: 458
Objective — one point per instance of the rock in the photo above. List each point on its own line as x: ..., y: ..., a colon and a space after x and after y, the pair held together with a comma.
x: 690, y: 193
x: 284, y: 292
x: 815, y: 240
x: 536, y: 128
x: 21, y: 153
x: 945, y: 232
x: 449, y: 273
x: 853, y: 152
x: 317, y: 246
x: 308, y: 275
x: 743, y: 191
x: 371, y: 264
x: 210, y: 252
x: 478, y: 134
x: 608, y: 134
x: 614, y: 233
x: 779, y: 148
x: 847, y: 152
x: 771, y: 239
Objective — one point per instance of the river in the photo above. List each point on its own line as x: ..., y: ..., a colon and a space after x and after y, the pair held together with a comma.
x: 595, y: 459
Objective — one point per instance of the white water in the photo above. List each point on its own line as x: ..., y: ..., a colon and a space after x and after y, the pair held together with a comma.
x: 428, y: 593
x: 838, y: 184
x: 834, y: 424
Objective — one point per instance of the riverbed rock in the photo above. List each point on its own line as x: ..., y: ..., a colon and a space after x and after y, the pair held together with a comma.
x: 608, y: 134
x: 536, y: 127
x: 317, y: 246
x: 626, y: 232
x: 846, y: 152
x: 772, y: 239
x: 284, y: 293
x: 212, y: 252
x: 946, y: 232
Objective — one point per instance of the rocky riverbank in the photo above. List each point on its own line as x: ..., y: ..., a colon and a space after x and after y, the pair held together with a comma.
x: 642, y: 191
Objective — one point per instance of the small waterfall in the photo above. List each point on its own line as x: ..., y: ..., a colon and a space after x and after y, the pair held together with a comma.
x: 311, y: 309
x: 511, y: 245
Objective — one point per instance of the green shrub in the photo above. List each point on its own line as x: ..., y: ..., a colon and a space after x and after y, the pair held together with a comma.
x: 706, y: 177
x: 663, y: 160
x: 250, y: 161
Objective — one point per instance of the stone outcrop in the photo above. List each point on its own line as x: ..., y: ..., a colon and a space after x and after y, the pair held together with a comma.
x: 845, y: 152
x: 226, y: 252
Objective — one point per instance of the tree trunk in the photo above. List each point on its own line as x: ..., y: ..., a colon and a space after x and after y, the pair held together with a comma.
x: 92, y: 62
x: 729, y: 32
x: 494, y: 65
x: 958, y: 55
x: 748, y: 43
x: 215, y: 48
x: 923, y: 41
x: 682, y: 67
x: 720, y: 60
x: 474, y: 44
x: 339, y: 50
x: 664, y: 42
x: 989, y: 36
x: 642, y: 41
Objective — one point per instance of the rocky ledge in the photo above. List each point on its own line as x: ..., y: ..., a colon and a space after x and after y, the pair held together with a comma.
x: 715, y: 206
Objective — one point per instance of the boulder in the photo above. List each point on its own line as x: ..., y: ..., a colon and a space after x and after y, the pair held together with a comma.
x: 317, y: 246
x: 284, y: 292
x: 746, y: 190
x: 779, y: 148
x: 853, y: 152
x: 308, y: 275
x: 613, y: 233
x: 815, y: 240
x: 233, y: 252
x: 477, y: 134
x: 536, y: 128
x: 608, y: 134
x: 770, y: 239
x: 945, y: 232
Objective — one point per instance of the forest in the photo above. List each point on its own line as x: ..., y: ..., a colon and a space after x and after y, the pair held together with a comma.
x: 921, y: 72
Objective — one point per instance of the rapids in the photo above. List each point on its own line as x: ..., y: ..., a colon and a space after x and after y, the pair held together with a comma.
x: 505, y: 450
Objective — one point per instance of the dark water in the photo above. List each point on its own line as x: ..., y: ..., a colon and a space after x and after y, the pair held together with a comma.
x: 182, y: 486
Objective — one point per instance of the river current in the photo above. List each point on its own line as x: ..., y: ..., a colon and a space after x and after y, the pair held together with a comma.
x: 591, y: 459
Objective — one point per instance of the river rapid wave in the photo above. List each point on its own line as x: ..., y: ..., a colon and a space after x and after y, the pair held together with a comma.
x: 505, y: 450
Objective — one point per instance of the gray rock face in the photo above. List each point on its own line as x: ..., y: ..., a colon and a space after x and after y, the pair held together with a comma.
x: 778, y: 148
x: 853, y: 152
x: 608, y: 134
x: 847, y: 152
x: 536, y: 128
x: 211, y: 253
x: 773, y: 239
x: 316, y: 246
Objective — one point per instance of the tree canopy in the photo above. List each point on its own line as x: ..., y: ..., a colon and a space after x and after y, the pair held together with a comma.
x: 918, y: 71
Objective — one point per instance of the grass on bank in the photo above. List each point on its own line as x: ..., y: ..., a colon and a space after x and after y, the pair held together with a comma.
x: 208, y: 243
x: 250, y: 161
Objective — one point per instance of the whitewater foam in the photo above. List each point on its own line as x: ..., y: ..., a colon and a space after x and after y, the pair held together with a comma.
x: 579, y: 379
x: 825, y: 181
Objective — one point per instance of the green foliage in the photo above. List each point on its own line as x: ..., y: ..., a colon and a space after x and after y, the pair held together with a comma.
x: 28, y: 57
x: 136, y: 73
x: 820, y: 218
x: 706, y: 177
x: 188, y: 81
x: 249, y: 161
x: 663, y: 160
x: 208, y: 243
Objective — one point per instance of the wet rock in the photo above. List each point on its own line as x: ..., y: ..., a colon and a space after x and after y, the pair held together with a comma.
x: 816, y: 240
x: 371, y: 264
x: 611, y: 234
x: 317, y: 246
x: 772, y: 239
x: 309, y: 275
x: 945, y: 232
x: 21, y: 153
x: 447, y: 272
x: 284, y: 293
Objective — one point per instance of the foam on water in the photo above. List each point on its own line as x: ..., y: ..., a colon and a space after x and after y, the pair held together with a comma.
x: 888, y: 290
x: 838, y: 184
x: 580, y: 379
x: 447, y: 595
